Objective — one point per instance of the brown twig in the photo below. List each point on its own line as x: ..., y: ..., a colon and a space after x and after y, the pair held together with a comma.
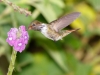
x: 17, y: 8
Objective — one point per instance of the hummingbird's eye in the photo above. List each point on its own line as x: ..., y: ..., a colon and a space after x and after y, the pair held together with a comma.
x: 33, y: 24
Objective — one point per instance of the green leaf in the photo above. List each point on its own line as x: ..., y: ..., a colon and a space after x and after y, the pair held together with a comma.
x: 83, y: 69
x: 46, y: 10
x: 77, y: 67
x: 2, y: 7
x: 42, y: 65
x: 57, y: 9
x: 58, y: 2
x: 35, y: 14
x: 73, y: 41
x: 53, y: 51
x: 95, y: 3
x: 71, y: 61
x: 23, y: 59
x: 22, y: 19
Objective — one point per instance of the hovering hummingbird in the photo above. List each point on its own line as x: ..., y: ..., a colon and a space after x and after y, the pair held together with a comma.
x: 53, y: 30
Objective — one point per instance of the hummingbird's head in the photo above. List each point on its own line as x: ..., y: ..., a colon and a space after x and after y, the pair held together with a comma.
x: 35, y: 25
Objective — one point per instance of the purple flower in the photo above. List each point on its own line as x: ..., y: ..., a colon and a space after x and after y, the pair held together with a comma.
x: 19, y: 45
x: 18, y: 38
x: 12, y: 36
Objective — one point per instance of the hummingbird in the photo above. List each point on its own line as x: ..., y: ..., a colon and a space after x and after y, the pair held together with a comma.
x: 53, y: 30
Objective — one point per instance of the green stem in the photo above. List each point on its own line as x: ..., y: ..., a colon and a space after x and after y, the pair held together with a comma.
x: 12, y: 62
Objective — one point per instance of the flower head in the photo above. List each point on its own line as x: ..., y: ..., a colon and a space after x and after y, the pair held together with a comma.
x: 18, y: 38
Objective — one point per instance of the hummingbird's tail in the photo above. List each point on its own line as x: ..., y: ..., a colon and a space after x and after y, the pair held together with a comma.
x: 66, y: 32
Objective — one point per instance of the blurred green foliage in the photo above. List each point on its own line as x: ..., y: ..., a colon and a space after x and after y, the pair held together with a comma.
x: 77, y: 54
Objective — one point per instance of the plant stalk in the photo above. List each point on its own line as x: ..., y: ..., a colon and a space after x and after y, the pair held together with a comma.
x: 12, y: 62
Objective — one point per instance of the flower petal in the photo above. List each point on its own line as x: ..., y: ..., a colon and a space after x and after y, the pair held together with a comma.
x: 22, y: 28
x: 11, y: 36
x: 25, y: 36
x: 19, y: 45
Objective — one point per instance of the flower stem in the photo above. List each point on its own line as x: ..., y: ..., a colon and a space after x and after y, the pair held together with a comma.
x: 12, y: 62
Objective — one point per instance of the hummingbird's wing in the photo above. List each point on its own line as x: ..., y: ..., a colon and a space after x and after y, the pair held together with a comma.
x: 64, y: 21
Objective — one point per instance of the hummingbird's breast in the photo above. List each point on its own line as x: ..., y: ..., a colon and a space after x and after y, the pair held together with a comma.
x: 49, y: 33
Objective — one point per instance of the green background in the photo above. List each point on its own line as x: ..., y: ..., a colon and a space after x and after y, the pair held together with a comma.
x: 77, y: 54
